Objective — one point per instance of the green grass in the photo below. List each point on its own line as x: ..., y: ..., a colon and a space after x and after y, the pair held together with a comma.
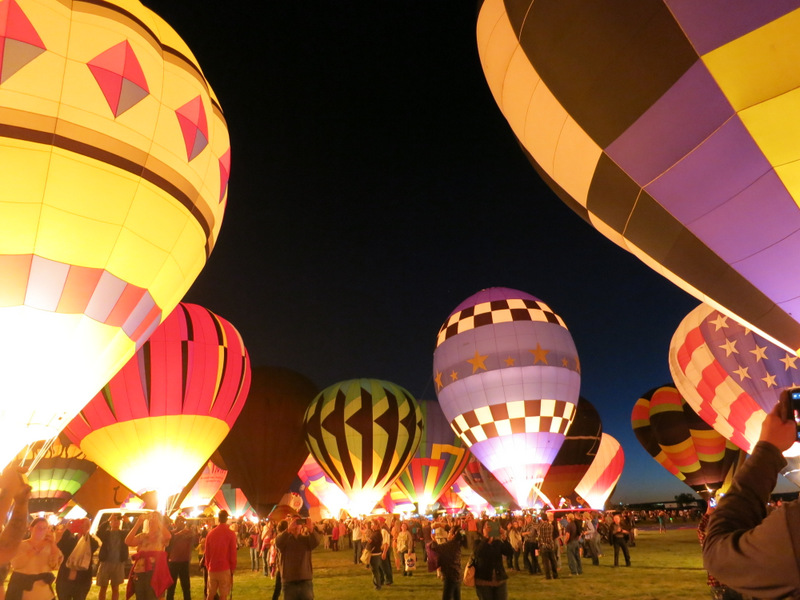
x: 664, y: 567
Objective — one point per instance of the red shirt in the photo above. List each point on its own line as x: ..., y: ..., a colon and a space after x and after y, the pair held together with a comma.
x: 220, y: 549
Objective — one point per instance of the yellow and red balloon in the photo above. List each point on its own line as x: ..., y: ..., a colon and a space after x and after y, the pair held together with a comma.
x: 114, y: 163
x: 158, y: 420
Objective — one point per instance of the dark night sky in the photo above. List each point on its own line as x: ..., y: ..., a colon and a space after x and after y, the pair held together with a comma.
x: 375, y: 185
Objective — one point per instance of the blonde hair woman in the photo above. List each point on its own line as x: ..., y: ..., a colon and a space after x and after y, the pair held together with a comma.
x: 34, y: 563
x: 150, y: 573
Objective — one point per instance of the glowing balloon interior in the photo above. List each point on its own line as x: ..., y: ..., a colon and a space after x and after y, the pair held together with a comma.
x: 696, y: 172
x: 440, y: 458
x: 171, y: 404
x: 599, y: 481
x: 114, y: 163
x: 507, y: 376
x: 363, y: 433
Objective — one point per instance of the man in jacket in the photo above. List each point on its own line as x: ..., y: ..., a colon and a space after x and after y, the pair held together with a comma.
x: 295, y: 546
x: 112, y: 558
x: 220, y: 558
x: 752, y: 552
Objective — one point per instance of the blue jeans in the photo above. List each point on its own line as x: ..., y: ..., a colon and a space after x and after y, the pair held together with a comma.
x: 376, y: 564
x: 574, y: 557
x: 298, y: 590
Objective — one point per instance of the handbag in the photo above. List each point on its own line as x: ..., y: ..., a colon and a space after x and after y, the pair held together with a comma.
x: 366, y: 555
x: 411, y: 561
x: 469, y: 574
x: 81, y: 556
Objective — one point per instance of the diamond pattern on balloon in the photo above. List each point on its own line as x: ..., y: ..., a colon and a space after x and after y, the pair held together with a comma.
x: 194, y: 126
x: 120, y: 77
x: 224, y: 173
x: 19, y: 41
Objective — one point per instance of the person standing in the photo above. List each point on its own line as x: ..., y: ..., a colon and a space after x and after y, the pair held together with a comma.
x: 448, y: 557
x: 547, y: 546
x: 112, y: 557
x: 619, y: 537
x: 386, y: 555
x: 180, y: 555
x: 220, y: 558
x: 530, y: 545
x: 405, y: 545
x: 74, y: 581
x: 375, y: 546
x: 33, y: 564
x: 150, y: 576
x: 491, y: 580
x: 356, y: 535
x: 573, y: 540
x: 295, y: 546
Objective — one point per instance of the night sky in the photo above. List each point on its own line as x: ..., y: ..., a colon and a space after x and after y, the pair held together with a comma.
x: 375, y: 185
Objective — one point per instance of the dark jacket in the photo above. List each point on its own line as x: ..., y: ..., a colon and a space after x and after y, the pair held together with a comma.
x: 488, y: 558
x: 295, y: 557
x: 448, y: 556
x: 67, y: 544
x: 755, y: 554
x: 106, y: 536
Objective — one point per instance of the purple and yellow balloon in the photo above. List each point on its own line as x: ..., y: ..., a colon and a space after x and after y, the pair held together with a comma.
x: 507, y: 377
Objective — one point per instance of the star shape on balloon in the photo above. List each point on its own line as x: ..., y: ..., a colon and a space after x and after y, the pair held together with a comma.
x: 730, y: 347
x: 478, y: 361
x: 510, y: 361
x: 438, y: 380
x: 760, y: 352
x: 539, y: 354
x: 453, y: 375
x: 720, y: 322
x: 769, y: 380
x: 742, y: 373
x: 788, y: 362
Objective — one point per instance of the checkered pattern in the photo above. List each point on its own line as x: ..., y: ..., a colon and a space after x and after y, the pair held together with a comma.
x: 523, y: 416
x: 497, y: 311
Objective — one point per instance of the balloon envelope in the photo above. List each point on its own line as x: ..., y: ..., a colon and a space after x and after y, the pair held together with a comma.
x: 695, y: 172
x: 114, y: 162
x: 576, y: 454
x: 59, y: 473
x: 321, y: 489
x: 363, y: 433
x: 601, y: 478
x: 732, y: 377
x: 704, y: 458
x: 507, y: 376
x: 270, y: 426
x: 439, y: 460
x: 170, y: 405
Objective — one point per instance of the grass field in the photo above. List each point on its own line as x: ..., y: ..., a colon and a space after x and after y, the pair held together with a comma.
x: 664, y: 567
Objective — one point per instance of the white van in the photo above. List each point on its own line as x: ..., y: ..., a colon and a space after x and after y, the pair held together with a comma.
x: 128, y: 515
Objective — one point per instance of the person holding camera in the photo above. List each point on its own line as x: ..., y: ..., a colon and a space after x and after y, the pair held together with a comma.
x: 754, y: 553
x: 448, y: 557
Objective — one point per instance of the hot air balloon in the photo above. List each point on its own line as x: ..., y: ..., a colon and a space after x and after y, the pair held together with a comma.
x: 476, y: 504
x: 157, y: 422
x: 270, y: 426
x: 363, y: 433
x: 234, y: 501
x: 485, y: 484
x: 599, y: 481
x: 704, y: 458
x: 576, y: 454
x: 205, y: 488
x: 507, y: 376
x: 439, y: 460
x: 672, y: 134
x: 731, y: 376
x: 114, y: 162
x: 59, y: 472
x: 101, y: 491
x: 321, y: 489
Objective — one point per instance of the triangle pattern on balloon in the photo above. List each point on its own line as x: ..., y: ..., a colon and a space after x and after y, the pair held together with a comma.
x: 194, y: 126
x: 118, y: 73
x: 19, y: 41
x: 224, y: 173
